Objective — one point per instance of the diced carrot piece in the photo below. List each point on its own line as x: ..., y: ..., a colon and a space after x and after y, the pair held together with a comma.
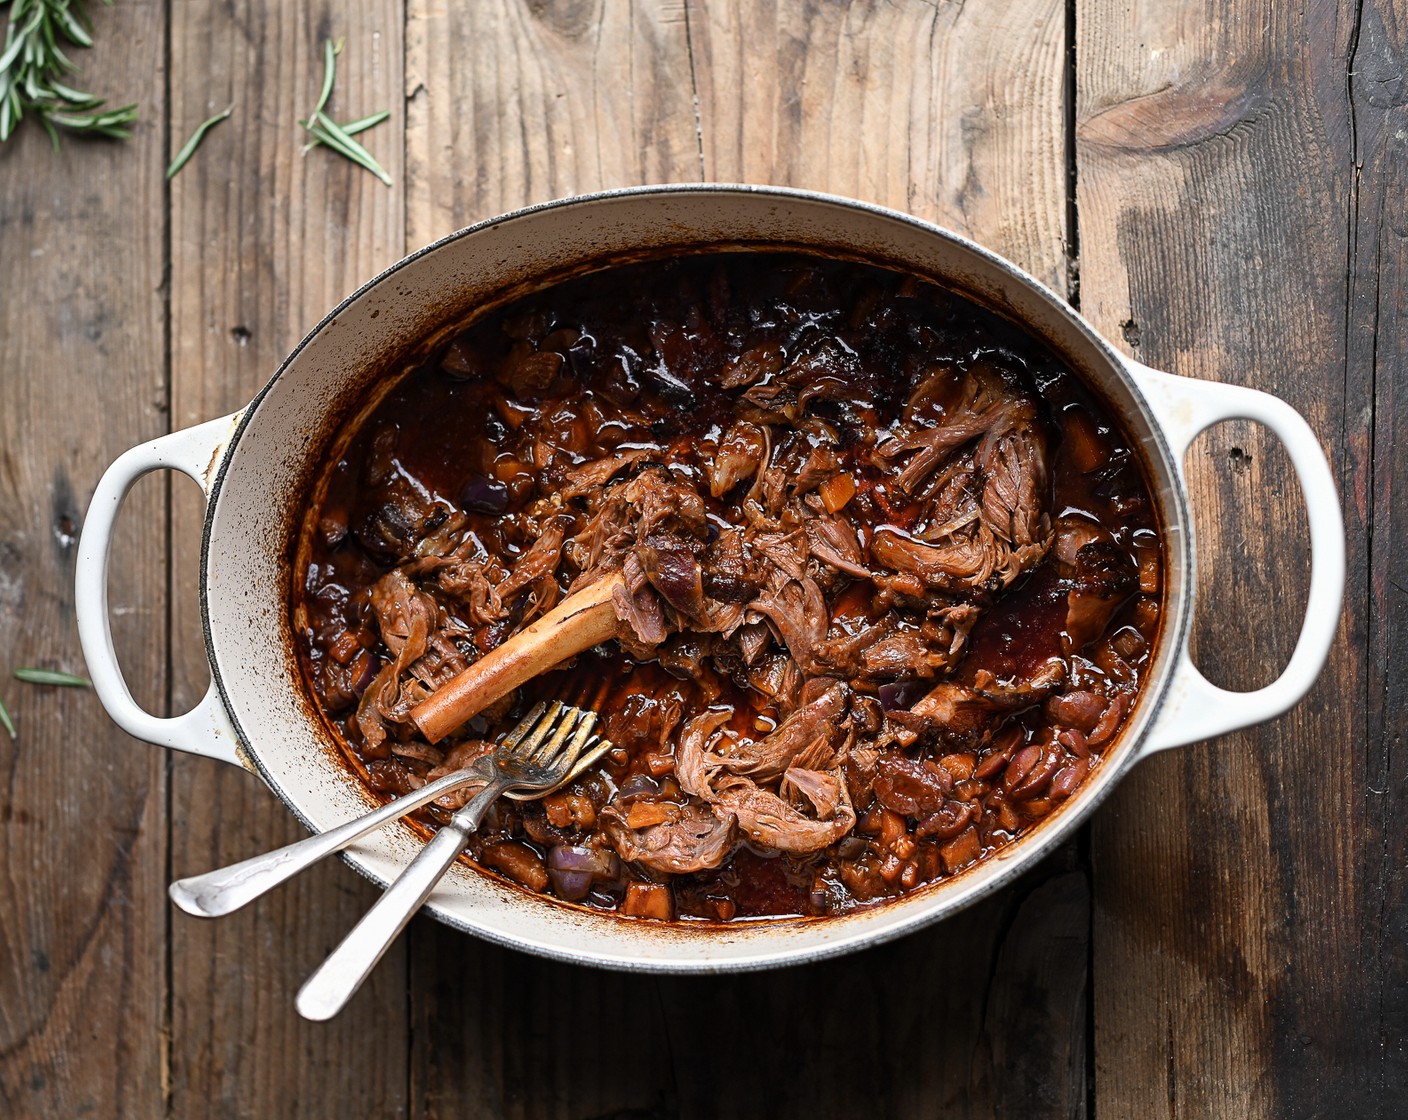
x: 1149, y: 572
x: 891, y: 828
x: 643, y: 814
x: 513, y: 415
x: 506, y: 470
x: 344, y: 647
x: 1083, y: 442
x: 649, y: 900
x: 836, y: 491
x: 854, y: 602
x: 659, y: 763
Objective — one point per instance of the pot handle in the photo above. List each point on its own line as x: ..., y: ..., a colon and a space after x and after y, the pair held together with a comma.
x: 206, y: 728
x: 1194, y: 708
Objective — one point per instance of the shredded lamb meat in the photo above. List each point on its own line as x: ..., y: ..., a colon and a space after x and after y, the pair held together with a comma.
x: 873, y: 620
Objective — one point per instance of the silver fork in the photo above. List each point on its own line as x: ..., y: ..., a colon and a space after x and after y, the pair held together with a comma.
x: 552, y: 744
x: 538, y: 755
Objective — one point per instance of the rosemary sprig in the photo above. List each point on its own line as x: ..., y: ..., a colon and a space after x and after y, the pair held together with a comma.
x: 352, y: 128
x: 328, y: 132
x: 51, y: 676
x: 32, y: 63
x: 39, y: 676
x: 188, y: 149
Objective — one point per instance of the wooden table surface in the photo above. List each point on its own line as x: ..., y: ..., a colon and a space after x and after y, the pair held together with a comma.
x: 1218, y: 186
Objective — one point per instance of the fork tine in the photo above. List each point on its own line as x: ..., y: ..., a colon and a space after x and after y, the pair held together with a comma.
x: 549, y: 750
x: 592, y: 750
x: 584, y: 733
x: 530, y: 744
x: 527, y: 738
x: 525, y: 725
x: 565, y: 751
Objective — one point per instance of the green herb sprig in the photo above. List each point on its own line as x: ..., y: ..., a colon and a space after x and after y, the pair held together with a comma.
x: 351, y: 128
x: 338, y: 137
x: 33, y: 61
x: 39, y: 676
x: 188, y: 149
x: 52, y: 676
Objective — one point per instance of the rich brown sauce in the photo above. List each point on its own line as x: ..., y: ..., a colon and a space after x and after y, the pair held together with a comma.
x: 662, y: 360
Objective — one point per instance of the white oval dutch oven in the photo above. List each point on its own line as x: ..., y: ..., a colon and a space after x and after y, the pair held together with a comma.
x: 252, y: 466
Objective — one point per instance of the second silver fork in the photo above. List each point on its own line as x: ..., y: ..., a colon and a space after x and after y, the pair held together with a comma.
x: 550, y: 747
x: 539, y: 758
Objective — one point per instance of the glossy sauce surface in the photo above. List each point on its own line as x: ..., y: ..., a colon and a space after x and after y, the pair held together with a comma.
x: 972, y: 706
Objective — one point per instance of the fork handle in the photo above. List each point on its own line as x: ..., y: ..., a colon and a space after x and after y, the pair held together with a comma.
x: 337, y: 979
x: 226, y: 889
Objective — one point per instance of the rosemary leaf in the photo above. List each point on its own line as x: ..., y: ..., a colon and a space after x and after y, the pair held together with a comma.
x: 14, y: 43
x: 351, y: 128
x: 328, y: 132
x: 322, y: 136
x: 189, y: 148
x: 112, y: 122
x: 354, y: 150
x: 51, y: 676
x: 6, y: 722
x: 74, y: 97
x: 75, y: 31
x: 31, y: 62
x: 364, y: 123
x: 330, y: 53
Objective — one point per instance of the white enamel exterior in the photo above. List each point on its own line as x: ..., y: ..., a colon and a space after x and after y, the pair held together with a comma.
x: 252, y: 466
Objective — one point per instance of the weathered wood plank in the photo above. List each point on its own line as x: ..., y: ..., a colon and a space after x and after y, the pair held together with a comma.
x: 954, y: 113
x: 832, y: 99
x: 1378, y: 346
x: 512, y: 102
x: 951, y: 112
x: 1215, y: 167
x: 264, y: 242
x: 979, y: 1016
x: 82, y: 815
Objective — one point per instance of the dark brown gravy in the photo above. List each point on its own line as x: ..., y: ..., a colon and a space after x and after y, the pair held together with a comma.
x: 663, y: 361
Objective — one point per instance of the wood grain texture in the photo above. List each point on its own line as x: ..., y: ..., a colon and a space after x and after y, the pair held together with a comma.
x: 265, y: 241
x: 1376, y: 478
x: 929, y: 1025
x: 982, y: 1015
x: 830, y: 98
x: 512, y: 102
x: 82, y: 825
x: 1216, y: 192
x: 1240, y: 174
x: 952, y: 112
x: 508, y: 104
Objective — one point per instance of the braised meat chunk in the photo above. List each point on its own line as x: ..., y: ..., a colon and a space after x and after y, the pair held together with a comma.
x: 884, y: 580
